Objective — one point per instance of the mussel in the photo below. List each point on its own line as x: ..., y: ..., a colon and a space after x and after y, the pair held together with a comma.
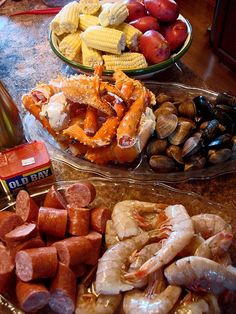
x: 224, y: 98
x: 219, y: 141
x: 195, y: 162
x: 204, y: 107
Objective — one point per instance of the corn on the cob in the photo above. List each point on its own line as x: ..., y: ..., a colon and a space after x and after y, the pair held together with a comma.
x: 90, y: 56
x: 67, y: 20
x: 132, y: 35
x: 86, y: 20
x: 104, y: 39
x: 55, y: 25
x: 89, y: 6
x: 125, y: 61
x: 70, y: 46
x: 113, y: 14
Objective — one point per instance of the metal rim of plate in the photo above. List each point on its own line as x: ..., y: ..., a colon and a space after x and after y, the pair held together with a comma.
x: 138, y: 73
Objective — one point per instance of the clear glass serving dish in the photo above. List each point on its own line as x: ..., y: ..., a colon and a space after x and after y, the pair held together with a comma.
x: 110, y: 191
x: 139, y: 169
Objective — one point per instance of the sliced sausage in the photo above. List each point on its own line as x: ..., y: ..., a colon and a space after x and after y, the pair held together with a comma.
x: 63, y: 290
x: 26, y: 207
x: 51, y: 239
x: 22, y: 232
x: 52, y: 221
x: 32, y: 296
x: 78, y: 221
x: 74, y: 250
x: 54, y: 199
x: 99, y: 217
x: 95, y: 239
x: 80, y: 194
x: 79, y: 270
x: 17, y: 246
x: 36, y: 263
x: 6, y: 269
x: 8, y: 222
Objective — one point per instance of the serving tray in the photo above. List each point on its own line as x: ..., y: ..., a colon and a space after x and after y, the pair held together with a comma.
x: 140, y: 168
x: 110, y: 191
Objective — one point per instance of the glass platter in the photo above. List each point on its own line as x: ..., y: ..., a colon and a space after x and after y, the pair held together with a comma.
x: 110, y: 191
x: 140, y: 168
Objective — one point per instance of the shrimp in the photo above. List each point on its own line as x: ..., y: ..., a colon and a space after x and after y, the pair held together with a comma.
x: 111, y: 265
x: 86, y: 302
x: 191, y: 304
x: 124, y: 213
x: 201, y: 274
x: 215, y: 246
x: 41, y: 94
x: 209, y: 224
x: 111, y: 237
x: 136, y: 302
x: 139, y: 258
x: 178, y: 226
x: 107, y: 304
x: 191, y: 248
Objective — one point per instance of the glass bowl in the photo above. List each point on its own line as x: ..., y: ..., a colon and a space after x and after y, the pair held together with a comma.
x: 110, y: 191
x: 139, y: 169
x: 138, y: 73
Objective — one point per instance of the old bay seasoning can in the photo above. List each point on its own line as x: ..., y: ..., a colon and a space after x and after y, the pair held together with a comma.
x: 25, y: 165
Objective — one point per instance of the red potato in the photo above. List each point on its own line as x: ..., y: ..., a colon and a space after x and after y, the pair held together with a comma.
x: 26, y: 208
x: 31, y: 296
x: 146, y: 23
x: 136, y: 9
x: 54, y: 199
x: 176, y: 34
x: 154, y: 47
x: 164, y: 10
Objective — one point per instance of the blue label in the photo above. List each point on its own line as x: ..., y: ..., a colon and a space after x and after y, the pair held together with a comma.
x: 23, y: 180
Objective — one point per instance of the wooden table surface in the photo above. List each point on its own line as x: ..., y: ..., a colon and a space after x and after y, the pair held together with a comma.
x: 26, y: 59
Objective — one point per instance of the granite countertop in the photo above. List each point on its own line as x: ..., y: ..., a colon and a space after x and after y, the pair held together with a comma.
x: 26, y: 59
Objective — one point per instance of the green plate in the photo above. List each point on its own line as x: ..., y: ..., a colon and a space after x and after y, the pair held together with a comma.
x: 137, y: 73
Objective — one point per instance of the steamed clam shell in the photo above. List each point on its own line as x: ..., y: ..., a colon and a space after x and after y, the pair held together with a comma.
x: 192, y: 145
x: 175, y: 152
x: 157, y: 147
x: 219, y: 156
x: 161, y: 163
x: 187, y: 108
x: 166, y: 124
x: 182, y: 132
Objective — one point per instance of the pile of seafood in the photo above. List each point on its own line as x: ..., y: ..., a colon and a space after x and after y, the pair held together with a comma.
x: 94, y: 119
x: 192, y: 133
x: 161, y: 260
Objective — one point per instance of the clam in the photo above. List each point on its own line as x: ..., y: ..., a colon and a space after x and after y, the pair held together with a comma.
x: 195, y: 162
x: 166, y: 124
x: 182, y: 132
x: 218, y: 156
x: 166, y: 108
x: 192, y: 145
x: 187, y: 108
x: 162, y: 97
x: 175, y: 152
x: 162, y: 163
x: 157, y: 147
